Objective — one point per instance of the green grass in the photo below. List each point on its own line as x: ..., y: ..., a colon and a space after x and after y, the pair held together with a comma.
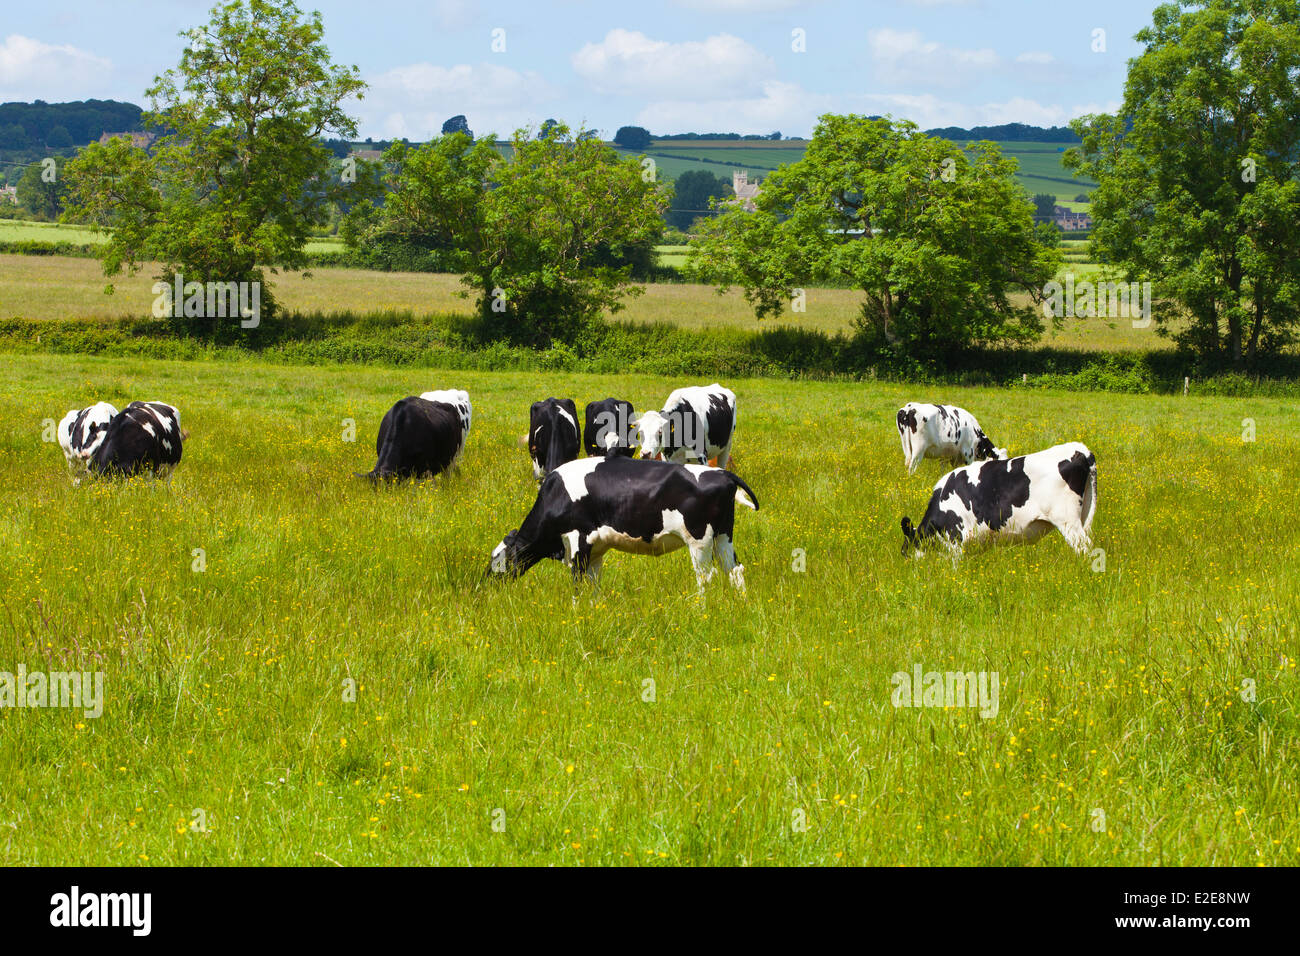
x: 1040, y: 163
x: 224, y: 688
x: 56, y: 287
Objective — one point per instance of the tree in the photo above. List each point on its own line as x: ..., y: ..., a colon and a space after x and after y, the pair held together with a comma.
x: 548, y: 129
x: 58, y: 138
x: 42, y: 190
x: 546, y: 239
x: 938, y: 241
x: 242, y: 176
x: 13, y: 136
x: 694, y: 189
x: 1198, y: 174
x: 632, y: 137
x: 457, y: 124
x: 1044, y: 205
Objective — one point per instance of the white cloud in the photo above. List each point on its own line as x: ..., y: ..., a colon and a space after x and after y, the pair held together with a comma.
x: 780, y: 106
x: 414, y: 100
x: 629, y: 62
x: 1036, y: 57
x: 903, y: 57
x: 30, y: 69
x: 743, y: 6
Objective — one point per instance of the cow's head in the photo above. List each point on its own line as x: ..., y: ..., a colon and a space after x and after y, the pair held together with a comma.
x: 649, y: 434
x: 984, y: 450
x: 910, y: 537
x: 503, y: 561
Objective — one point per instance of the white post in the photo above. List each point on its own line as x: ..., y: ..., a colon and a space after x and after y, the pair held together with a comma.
x: 1186, y: 381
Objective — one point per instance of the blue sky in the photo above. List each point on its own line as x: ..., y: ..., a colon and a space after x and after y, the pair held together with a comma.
x: 668, y: 65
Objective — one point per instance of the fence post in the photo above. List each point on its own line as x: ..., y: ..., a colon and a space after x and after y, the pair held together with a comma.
x: 1186, y: 381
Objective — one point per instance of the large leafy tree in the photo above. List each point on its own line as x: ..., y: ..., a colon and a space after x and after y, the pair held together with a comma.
x: 1198, y: 175
x: 942, y: 244
x: 547, y: 238
x: 694, y: 189
x: 43, y: 188
x: 241, y: 176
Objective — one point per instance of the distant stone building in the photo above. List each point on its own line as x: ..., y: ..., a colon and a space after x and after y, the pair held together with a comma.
x: 138, y: 139
x: 370, y: 155
x: 1069, y: 220
x: 746, y: 192
x: 9, y: 194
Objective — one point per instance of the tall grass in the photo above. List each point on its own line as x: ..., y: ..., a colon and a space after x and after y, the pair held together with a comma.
x: 526, y: 704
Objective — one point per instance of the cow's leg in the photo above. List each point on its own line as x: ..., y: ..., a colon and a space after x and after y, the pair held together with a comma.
x: 724, y: 455
x: 1075, y: 535
x: 725, y: 551
x: 702, y: 560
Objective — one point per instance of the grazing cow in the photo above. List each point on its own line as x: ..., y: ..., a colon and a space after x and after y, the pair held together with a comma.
x: 81, y: 433
x: 588, y: 506
x: 942, y: 431
x: 696, y: 424
x: 608, y: 428
x: 143, y: 437
x: 459, y: 401
x: 1020, y: 498
x: 417, y: 437
x: 552, y: 434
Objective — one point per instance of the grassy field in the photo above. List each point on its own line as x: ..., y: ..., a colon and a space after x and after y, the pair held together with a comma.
x: 1040, y: 163
x: 1121, y: 734
x: 56, y: 287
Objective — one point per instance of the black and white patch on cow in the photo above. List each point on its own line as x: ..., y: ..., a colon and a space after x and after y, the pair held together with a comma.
x: 552, y: 434
x: 943, y: 431
x: 458, y: 400
x: 417, y: 439
x: 144, y: 438
x: 608, y: 428
x: 590, y: 506
x: 1018, y: 498
x: 80, y: 433
x: 697, y: 423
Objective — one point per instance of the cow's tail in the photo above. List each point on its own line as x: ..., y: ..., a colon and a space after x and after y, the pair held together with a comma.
x: 905, y: 437
x: 1089, y: 504
x: 744, y: 494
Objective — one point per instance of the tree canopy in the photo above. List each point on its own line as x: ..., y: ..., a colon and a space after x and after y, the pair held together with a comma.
x: 938, y: 241
x: 242, y: 176
x: 1199, y: 175
x: 547, y: 239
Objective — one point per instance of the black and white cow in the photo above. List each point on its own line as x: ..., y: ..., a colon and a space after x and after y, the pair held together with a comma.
x: 942, y: 431
x: 608, y: 429
x: 417, y: 437
x: 1019, y: 498
x: 458, y: 400
x: 697, y: 424
x: 144, y: 438
x: 81, y: 432
x: 592, y: 505
x: 552, y: 434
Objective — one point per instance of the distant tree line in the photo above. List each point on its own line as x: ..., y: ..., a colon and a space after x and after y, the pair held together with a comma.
x: 58, y: 125
x: 1008, y: 133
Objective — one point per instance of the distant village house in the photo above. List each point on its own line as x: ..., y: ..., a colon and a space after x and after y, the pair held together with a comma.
x: 746, y: 192
x: 139, y: 140
x: 1069, y: 220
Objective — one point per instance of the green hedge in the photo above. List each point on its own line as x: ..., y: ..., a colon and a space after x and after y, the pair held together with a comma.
x: 455, y: 341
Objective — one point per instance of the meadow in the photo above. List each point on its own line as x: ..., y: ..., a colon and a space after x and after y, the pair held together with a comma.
x: 60, y: 287
x: 529, y: 723
x: 1040, y: 163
